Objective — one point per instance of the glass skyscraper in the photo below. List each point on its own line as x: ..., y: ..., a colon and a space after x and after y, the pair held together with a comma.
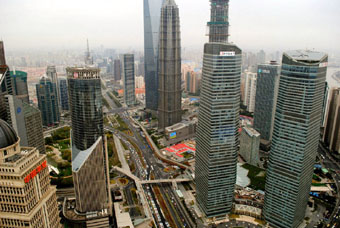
x: 129, y: 79
x: 219, y: 117
x: 265, y: 100
x: 295, y: 137
x: 152, y: 17
x: 48, y: 101
x: 19, y: 83
x: 170, y: 83
x: 63, y: 92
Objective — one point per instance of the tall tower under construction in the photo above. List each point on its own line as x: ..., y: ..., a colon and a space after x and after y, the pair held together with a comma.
x: 169, y: 88
x: 218, y: 120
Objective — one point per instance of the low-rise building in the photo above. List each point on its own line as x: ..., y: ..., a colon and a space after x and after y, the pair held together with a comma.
x: 180, y: 131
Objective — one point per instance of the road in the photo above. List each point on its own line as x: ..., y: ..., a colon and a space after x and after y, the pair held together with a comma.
x: 330, y: 163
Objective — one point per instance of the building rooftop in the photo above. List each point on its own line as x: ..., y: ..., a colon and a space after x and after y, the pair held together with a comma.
x: 306, y: 55
x: 8, y: 136
x: 251, y: 132
x: 169, y: 3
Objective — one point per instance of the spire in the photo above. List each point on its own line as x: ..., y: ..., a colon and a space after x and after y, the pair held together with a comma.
x: 88, y: 58
x: 219, y: 21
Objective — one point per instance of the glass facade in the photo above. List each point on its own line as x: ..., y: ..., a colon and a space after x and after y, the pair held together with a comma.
x: 265, y: 100
x: 217, y: 134
x: 63, y: 94
x: 48, y: 101
x: 295, y: 137
x: 85, y: 98
x: 129, y: 79
x: 152, y: 15
x: 19, y: 83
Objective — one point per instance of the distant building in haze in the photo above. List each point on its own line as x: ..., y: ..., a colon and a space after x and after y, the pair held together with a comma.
x: 63, y: 92
x: 27, y: 122
x: 88, y: 57
x: 295, y: 137
x: 170, y: 83
x: 267, y: 86
x: 19, y: 83
x: 117, y: 70
x: 48, y: 101
x: 129, y: 79
x: 2, y: 54
x: 152, y: 18
x: 250, y: 91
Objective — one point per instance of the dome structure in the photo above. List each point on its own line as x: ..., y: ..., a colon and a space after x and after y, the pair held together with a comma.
x: 8, y: 136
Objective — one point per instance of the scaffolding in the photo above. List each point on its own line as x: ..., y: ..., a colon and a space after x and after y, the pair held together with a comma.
x: 218, y: 26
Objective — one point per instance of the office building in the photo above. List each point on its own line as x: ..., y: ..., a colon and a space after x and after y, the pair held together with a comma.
x: 250, y: 91
x: 129, y: 79
x: 27, y: 198
x: 5, y: 82
x: 180, y: 131
x: 51, y: 73
x: 48, y: 101
x: 117, y: 70
x: 219, y: 116
x: 89, y: 155
x: 192, y: 82
x: 27, y: 122
x: 250, y: 146
x: 19, y: 83
x: 295, y: 137
x: 63, y: 92
x: 139, y: 82
x: 152, y: 18
x: 332, y: 122
x: 170, y: 83
x: 267, y: 86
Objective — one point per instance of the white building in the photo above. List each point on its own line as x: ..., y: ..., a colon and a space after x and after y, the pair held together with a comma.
x: 250, y: 91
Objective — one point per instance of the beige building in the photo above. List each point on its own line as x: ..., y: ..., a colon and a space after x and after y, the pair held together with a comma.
x: 26, y: 197
x: 250, y: 146
x: 180, y: 131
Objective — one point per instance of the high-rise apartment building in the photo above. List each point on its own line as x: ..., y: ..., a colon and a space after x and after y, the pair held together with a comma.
x: 332, y: 122
x: 48, y: 101
x: 27, y: 198
x: 192, y: 82
x: 117, y: 70
x: 89, y: 155
x: 170, y: 83
x: 295, y: 137
x: 19, y: 83
x: 267, y: 86
x: 129, y: 79
x: 152, y: 18
x: 250, y: 91
x: 63, y: 92
x: 27, y: 122
x: 219, y: 116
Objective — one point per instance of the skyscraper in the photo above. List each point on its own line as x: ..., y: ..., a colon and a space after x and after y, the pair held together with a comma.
x: 51, y: 73
x: 170, y: 83
x: 129, y: 79
x: 117, y: 69
x: 250, y: 91
x: 332, y: 123
x: 89, y: 156
x: 48, y: 101
x: 63, y: 92
x: 5, y: 82
x: 27, y: 198
x: 27, y: 122
x: 295, y: 137
x: 152, y: 17
x: 218, y: 120
x: 266, y: 96
x: 19, y: 83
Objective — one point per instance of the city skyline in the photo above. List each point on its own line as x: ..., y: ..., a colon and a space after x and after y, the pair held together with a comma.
x: 270, y: 30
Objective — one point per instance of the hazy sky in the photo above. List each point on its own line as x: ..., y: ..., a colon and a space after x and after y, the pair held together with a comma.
x: 255, y: 24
